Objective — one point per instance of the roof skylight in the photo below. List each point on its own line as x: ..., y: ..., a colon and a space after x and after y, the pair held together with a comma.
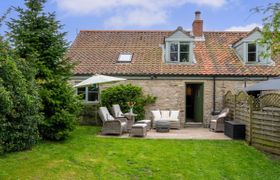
x: 125, y: 57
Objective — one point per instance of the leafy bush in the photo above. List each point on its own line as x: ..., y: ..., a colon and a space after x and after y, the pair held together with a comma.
x: 89, y: 115
x: 19, y: 107
x: 122, y: 94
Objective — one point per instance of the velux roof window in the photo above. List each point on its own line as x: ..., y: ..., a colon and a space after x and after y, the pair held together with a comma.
x: 125, y: 57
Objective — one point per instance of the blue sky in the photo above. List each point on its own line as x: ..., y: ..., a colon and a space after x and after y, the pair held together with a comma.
x: 218, y: 15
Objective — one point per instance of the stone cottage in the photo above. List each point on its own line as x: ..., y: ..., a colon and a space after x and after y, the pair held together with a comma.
x: 186, y: 70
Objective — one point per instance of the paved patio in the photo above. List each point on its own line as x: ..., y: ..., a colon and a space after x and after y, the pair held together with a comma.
x: 186, y: 133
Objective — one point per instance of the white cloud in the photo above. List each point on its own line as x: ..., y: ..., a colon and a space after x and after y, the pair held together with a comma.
x: 248, y: 27
x: 130, y: 12
x: 142, y: 18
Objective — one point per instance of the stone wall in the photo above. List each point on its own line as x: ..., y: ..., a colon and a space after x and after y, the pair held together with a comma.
x: 171, y: 94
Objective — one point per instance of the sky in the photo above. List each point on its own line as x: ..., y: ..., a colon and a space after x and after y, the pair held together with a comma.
x: 218, y: 15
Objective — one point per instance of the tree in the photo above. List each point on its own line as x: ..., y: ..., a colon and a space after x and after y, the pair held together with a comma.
x: 271, y: 26
x: 37, y: 37
x: 20, y: 103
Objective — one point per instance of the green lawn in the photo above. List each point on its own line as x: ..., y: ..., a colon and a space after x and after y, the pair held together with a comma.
x: 85, y: 156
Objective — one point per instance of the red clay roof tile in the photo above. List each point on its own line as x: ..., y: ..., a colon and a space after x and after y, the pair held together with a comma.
x: 98, y: 51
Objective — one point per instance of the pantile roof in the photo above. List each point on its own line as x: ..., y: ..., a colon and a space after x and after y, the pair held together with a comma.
x: 98, y: 52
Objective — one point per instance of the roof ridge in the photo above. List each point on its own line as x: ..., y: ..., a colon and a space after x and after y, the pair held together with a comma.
x: 226, y: 31
x: 125, y: 30
x: 211, y: 31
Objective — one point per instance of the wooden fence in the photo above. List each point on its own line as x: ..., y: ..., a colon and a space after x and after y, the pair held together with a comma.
x: 261, y: 117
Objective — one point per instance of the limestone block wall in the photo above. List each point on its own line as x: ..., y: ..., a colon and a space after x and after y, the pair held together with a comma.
x: 171, y: 94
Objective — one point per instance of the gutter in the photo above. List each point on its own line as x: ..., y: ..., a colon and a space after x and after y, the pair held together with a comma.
x: 214, y: 96
x: 214, y: 111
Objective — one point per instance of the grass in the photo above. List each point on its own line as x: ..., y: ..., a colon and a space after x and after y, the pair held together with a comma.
x: 85, y: 156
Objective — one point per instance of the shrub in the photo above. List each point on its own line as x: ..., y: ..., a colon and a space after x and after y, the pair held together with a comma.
x: 89, y: 115
x: 19, y: 105
x: 122, y: 94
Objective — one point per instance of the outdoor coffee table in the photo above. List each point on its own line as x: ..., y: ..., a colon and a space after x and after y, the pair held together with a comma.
x: 162, y: 126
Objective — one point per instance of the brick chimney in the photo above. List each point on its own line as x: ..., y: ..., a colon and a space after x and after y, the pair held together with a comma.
x: 197, y: 26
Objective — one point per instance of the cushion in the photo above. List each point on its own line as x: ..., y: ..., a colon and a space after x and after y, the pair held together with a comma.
x: 120, y: 114
x: 174, y: 115
x: 224, y: 114
x: 139, y: 125
x: 173, y: 120
x: 106, y: 116
x: 156, y: 114
x: 110, y: 118
x: 123, y: 124
x: 165, y: 115
x: 117, y: 110
x: 144, y: 121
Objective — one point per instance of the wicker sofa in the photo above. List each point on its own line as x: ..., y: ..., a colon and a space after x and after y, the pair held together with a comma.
x: 112, y: 125
x: 164, y: 115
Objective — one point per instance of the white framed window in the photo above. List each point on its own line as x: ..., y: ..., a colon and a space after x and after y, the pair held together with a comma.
x: 178, y: 52
x: 89, y: 94
x: 252, y: 53
x: 125, y: 57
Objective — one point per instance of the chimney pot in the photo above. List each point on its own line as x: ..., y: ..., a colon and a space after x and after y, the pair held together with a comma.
x: 197, y: 15
x: 197, y: 25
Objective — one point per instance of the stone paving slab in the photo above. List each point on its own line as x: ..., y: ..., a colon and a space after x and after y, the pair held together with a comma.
x: 186, y: 133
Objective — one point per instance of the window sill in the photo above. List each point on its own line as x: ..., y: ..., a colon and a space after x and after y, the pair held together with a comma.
x: 258, y: 64
x: 180, y: 63
x: 91, y: 102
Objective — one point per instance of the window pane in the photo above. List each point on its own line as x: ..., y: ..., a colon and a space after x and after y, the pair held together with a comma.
x: 173, y: 56
x: 93, y: 93
x: 125, y: 57
x: 252, y: 48
x: 251, y: 57
x: 92, y: 88
x: 252, y: 52
x: 184, y: 57
x: 184, y: 47
x: 173, y: 47
x: 82, y: 92
x: 92, y: 96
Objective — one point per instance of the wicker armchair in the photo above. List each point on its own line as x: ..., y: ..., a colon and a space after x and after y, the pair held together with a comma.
x: 116, y: 111
x: 112, y: 125
x: 217, y: 123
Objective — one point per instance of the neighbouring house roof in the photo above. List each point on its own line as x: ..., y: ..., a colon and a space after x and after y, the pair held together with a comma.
x: 98, y: 52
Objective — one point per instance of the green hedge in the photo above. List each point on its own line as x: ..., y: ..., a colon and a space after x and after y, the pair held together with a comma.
x: 122, y: 94
x: 19, y: 104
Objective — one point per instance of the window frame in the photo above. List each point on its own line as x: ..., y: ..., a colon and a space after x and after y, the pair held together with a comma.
x: 179, y: 52
x: 86, y: 99
x: 179, y: 43
x: 256, y: 53
x: 125, y: 54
